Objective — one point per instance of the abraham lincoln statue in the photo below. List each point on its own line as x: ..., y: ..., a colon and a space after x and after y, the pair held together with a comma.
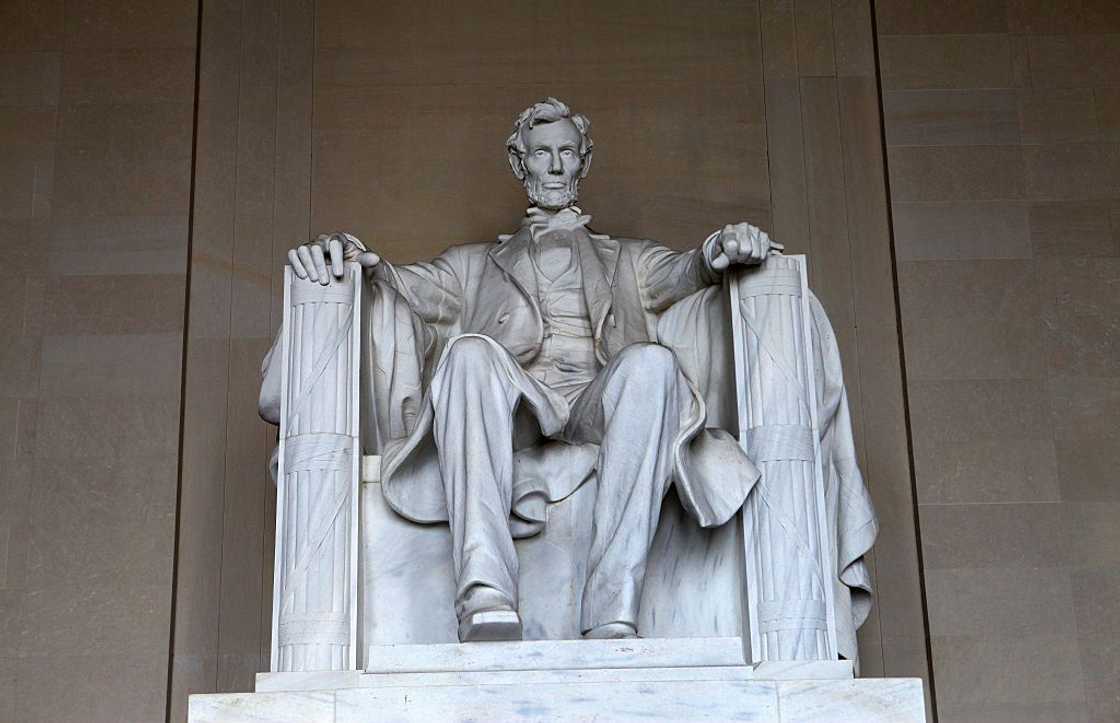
x: 500, y: 376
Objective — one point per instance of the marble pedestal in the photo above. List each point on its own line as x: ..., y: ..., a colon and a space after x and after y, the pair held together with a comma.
x: 659, y: 679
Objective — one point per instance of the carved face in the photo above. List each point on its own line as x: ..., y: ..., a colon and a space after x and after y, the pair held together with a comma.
x: 552, y: 164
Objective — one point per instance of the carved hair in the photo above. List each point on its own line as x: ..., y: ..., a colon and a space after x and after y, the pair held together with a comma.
x: 548, y: 110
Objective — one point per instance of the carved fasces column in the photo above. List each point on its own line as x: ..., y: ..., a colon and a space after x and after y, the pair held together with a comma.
x: 314, y: 607
x: 789, y: 577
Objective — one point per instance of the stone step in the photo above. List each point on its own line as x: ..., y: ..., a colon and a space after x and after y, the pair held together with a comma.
x: 337, y: 679
x: 870, y: 700
x: 557, y: 655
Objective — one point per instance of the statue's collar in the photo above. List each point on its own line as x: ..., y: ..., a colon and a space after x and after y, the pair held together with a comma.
x: 539, y: 222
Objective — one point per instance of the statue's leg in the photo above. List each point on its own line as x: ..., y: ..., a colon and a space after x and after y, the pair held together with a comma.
x: 473, y: 430
x: 633, y: 408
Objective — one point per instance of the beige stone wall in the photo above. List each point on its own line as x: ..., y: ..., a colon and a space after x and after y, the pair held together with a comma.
x: 387, y: 119
x: 96, y: 108
x: 1004, y: 149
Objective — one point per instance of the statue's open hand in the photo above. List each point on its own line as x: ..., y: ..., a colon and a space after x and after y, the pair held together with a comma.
x: 742, y: 244
x: 310, y: 261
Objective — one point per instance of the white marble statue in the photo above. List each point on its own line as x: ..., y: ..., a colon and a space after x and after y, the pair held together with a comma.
x: 501, y: 376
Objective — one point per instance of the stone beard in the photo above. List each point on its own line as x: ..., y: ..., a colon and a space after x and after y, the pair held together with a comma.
x: 554, y: 198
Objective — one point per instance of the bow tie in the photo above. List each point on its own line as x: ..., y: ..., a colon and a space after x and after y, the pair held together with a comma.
x: 542, y: 224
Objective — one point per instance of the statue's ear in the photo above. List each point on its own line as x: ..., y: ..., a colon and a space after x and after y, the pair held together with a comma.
x: 586, y: 168
x: 515, y: 164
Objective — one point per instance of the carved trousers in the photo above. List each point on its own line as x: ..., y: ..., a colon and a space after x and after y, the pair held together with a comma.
x: 632, y: 409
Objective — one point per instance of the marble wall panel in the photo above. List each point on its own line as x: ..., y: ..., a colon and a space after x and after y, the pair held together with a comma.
x: 951, y: 117
x: 1094, y: 535
x: 129, y: 75
x: 956, y: 173
x: 31, y: 24
x: 29, y: 77
x: 984, y: 677
x: 72, y: 687
x: 253, y: 149
x: 923, y: 62
x: 880, y: 408
x: 113, y: 24
x: 816, y: 53
x: 994, y: 304
x: 1082, y: 308
x: 920, y: 17
x: 1063, y: 115
x: 1107, y: 110
x: 954, y: 230
x: 987, y: 471
x: 1043, y: 16
x: 1078, y: 171
x: 1073, y: 228
x: 95, y: 115
x: 979, y: 602
x: 1085, y: 59
x: 1012, y: 444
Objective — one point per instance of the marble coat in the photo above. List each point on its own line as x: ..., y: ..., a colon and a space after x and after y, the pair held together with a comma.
x: 489, y: 290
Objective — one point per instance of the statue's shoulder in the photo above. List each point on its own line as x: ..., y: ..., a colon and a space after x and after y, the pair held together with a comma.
x: 471, y: 249
x: 624, y: 245
x: 466, y: 252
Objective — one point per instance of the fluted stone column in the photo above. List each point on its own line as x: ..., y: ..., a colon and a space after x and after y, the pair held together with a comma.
x: 789, y: 563
x: 314, y: 617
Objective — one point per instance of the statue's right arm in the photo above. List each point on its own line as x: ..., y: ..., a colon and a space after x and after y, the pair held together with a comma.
x: 432, y: 288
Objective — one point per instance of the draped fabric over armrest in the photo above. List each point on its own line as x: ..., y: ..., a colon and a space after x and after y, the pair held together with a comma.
x: 697, y: 330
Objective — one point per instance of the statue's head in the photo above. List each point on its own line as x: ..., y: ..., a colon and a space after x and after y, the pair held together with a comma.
x: 550, y: 153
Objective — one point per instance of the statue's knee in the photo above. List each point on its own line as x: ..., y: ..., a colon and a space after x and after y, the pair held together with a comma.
x: 650, y: 362
x: 470, y: 355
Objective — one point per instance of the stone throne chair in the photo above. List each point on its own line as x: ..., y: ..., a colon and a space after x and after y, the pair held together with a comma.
x: 762, y: 607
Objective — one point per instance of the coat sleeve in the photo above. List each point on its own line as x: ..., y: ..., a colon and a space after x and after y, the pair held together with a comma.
x: 433, y: 289
x: 666, y: 276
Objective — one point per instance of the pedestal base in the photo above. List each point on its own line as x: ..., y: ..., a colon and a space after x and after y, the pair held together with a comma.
x: 575, y: 681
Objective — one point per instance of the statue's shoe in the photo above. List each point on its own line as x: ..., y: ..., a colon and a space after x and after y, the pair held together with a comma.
x: 490, y: 626
x: 612, y: 631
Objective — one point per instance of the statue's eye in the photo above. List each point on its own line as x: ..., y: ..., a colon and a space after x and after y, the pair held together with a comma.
x: 540, y: 152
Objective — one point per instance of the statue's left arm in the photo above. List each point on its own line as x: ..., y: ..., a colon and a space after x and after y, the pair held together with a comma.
x: 667, y: 276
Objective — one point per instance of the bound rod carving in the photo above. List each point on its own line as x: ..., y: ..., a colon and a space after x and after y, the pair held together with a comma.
x: 314, y: 615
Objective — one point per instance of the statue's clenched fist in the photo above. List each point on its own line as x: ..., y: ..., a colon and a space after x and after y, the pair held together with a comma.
x: 742, y: 244
x: 333, y: 250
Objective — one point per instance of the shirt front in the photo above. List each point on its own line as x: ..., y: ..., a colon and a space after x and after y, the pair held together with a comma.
x: 566, y: 362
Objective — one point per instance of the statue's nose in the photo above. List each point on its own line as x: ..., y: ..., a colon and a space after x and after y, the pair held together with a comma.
x: 556, y: 167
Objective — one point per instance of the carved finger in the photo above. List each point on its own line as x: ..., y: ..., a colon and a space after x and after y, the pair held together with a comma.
x: 308, y: 264
x: 320, y: 260
x: 721, y: 261
x: 350, y: 250
x: 296, y: 264
x: 730, y: 247
x: 337, y: 267
x: 368, y: 259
